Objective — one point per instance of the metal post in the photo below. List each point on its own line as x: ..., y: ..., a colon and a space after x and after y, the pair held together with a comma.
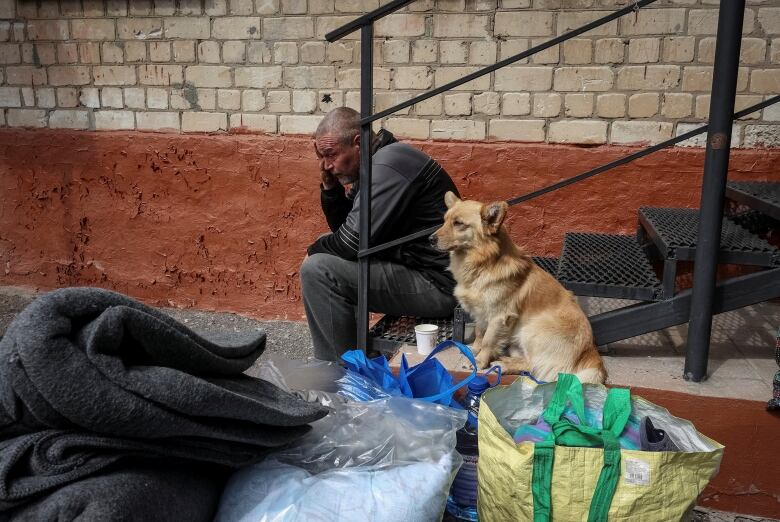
x: 716, y: 163
x: 366, y: 102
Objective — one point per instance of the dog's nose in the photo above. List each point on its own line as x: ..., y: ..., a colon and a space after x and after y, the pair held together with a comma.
x: 433, y: 239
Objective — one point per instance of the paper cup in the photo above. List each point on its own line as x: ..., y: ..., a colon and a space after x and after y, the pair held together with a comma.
x: 426, y: 335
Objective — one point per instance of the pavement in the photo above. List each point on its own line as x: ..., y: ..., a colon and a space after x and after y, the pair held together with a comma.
x: 291, y: 340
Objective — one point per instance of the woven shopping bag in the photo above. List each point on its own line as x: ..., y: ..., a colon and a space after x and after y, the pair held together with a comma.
x: 579, y: 472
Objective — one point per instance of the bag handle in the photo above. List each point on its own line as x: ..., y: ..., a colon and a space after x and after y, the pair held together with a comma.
x: 444, y: 345
x: 617, y: 409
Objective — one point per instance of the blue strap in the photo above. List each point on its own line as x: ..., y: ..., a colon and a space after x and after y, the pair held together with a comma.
x: 466, y: 351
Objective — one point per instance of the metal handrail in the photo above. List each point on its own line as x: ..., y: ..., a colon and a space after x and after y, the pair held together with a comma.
x: 579, y: 177
x: 366, y: 19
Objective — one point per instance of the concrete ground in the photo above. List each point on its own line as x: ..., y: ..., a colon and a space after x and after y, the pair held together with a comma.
x: 742, y: 353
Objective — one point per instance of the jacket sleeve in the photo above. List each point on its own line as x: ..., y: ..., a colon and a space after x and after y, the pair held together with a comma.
x: 388, y: 205
x: 335, y: 205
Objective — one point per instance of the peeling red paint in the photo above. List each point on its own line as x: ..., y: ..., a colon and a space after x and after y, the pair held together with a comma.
x: 222, y: 222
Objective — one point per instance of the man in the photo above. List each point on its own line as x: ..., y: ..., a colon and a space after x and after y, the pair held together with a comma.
x: 407, y: 195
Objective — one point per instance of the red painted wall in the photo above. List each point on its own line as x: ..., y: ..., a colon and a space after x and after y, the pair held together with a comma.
x: 221, y: 222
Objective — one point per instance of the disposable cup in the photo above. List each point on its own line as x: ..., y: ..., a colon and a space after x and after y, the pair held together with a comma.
x: 426, y: 335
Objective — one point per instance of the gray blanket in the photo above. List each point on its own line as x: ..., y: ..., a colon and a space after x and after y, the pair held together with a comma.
x: 89, y: 378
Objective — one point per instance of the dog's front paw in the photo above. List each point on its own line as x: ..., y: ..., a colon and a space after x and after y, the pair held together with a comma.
x: 511, y: 365
x: 483, y: 359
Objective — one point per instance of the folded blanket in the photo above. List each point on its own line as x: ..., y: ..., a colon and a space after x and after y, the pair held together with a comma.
x: 90, y: 372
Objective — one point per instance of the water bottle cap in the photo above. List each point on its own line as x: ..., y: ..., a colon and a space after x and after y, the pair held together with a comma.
x: 478, y: 384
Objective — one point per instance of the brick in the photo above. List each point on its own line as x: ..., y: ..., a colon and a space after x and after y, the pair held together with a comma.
x: 702, y: 106
x: 401, y: 25
x: 705, y: 21
x: 431, y: 107
x: 46, y: 98
x: 643, y: 105
x: 67, y: 53
x: 650, y: 77
x: 89, y: 97
x: 644, y: 50
x: 654, y: 21
x: 160, y: 51
x: 325, y: 24
x: 46, y: 53
x: 241, y: 7
x: 28, y: 96
x: 517, y: 130
x: 577, y: 131
x: 313, y: 77
x: 341, y: 52
x: 700, y: 140
x: 676, y: 105
x: 115, y: 75
x: 157, y: 98
x: 254, y: 122
x: 452, y: 5
x: 578, y: 105
x: 482, y: 53
x: 67, y: 119
x: 350, y: 78
x: 266, y: 7
x: 286, y: 53
x: 294, y: 6
x: 290, y: 28
x: 583, y: 79
x: 26, y: 118
x: 71, y: 8
x: 304, y: 101
x: 352, y: 100
x: 114, y: 120
x: 547, y: 105
x: 385, y: 100
x: 298, y: 124
x: 164, y: 7
x: 329, y: 100
x: 763, y: 136
x: 157, y: 121
x: 92, y: 29
x: 487, y: 103
x: 697, y: 79
x: 18, y: 32
x: 116, y: 7
x: 208, y: 76
x: 610, y: 50
x: 47, y: 30
x: 769, y: 19
x: 236, y: 28
x: 742, y: 101
x: 208, y: 52
x: 577, y: 51
x: 184, y: 51
x: 313, y: 52
x: 772, y: 113
x: 458, y: 129
x: 461, y: 26
x: 9, y: 97
x: 527, y: 23
x: 515, y: 4
x: 252, y: 100
x: 356, y: 6
x: 457, y: 104
x: 140, y: 7
x: 612, y: 105
x: 234, y: 52
x: 523, y: 79
x: 139, y: 28
x: 420, y: 77
x: 134, y: 98
x: 112, y: 97
x: 229, y: 99
x: 573, y: 19
x: 551, y: 55
x: 278, y: 101
x: 9, y: 53
x: 321, y: 6
x: 7, y: 9
x: 424, y: 51
x: 113, y: 52
x: 67, y: 97
x: 135, y: 51
x: 29, y: 75
x: 89, y: 52
x: 516, y: 104
x: 409, y: 127
x: 640, y: 132
x: 679, y: 49
x: 187, y: 28
x: 258, y: 52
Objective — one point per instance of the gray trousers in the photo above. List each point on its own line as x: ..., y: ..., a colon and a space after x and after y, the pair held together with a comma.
x: 329, y: 285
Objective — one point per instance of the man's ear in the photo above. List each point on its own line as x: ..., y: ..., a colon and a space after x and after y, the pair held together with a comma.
x: 493, y: 215
x: 356, y: 140
x: 450, y: 199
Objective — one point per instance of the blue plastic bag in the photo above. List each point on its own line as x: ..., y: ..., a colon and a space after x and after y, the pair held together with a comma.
x: 429, y: 381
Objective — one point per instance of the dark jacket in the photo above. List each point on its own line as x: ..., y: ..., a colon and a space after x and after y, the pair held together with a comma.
x: 407, y: 195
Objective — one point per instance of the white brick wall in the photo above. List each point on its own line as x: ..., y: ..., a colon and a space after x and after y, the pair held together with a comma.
x: 264, y: 66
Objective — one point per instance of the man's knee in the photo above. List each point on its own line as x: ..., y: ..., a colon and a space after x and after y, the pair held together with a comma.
x: 318, y: 267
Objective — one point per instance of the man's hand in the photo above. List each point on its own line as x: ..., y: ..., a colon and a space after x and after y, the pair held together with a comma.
x: 327, y: 178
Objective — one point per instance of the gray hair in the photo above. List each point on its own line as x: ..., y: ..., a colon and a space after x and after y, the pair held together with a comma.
x: 342, y: 123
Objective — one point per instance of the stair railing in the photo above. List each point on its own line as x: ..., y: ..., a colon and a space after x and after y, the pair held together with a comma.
x: 721, y: 112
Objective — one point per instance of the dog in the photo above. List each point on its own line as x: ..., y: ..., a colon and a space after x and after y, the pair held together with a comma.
x: 525, y: 319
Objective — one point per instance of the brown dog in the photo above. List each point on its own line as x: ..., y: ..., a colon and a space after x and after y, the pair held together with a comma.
x: 525, y: 320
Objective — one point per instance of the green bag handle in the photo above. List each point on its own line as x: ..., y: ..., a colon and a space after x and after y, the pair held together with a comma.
x: 617, y: 409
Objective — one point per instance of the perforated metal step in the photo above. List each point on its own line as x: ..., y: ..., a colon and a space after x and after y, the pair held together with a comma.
x: 763, y: 196
x: 674, y: 231
x: 605, y: 265
x: 548, y: 264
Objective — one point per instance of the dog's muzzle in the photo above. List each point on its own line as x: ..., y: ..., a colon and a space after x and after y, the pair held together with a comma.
x: 434, y: 240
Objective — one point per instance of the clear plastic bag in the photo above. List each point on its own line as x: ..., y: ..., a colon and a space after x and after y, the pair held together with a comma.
x: 384, y: 460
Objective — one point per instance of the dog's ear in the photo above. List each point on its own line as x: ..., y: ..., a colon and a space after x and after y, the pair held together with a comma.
x: 493, y: 215
x: 450, y: 199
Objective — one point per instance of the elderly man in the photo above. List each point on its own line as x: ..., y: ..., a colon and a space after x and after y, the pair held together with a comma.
x: 407, y: 195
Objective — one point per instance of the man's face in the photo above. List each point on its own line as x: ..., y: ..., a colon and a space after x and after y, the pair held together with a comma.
x: 341, y: 160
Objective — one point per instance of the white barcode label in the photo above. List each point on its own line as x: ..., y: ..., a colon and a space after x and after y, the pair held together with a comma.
x: 637, y: 472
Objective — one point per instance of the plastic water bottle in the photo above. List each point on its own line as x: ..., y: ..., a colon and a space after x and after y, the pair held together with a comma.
x: 462, y: 501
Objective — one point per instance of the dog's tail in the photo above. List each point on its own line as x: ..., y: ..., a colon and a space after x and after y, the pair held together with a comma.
x: 590, y: 367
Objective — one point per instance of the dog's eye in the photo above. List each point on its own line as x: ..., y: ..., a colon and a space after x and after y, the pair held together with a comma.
x: 459, y: 223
